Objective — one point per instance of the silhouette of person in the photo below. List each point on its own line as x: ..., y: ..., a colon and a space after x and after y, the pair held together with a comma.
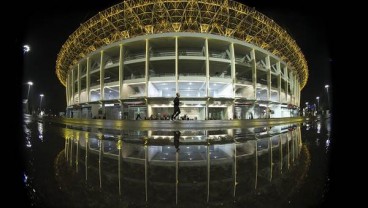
x: 176, y: 107
x: 138, y: 116
x: 176, y: 139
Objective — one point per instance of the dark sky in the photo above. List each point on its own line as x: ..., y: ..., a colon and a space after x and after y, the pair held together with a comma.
x: 47, y: 26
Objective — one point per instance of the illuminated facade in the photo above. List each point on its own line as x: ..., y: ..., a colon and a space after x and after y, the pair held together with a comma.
x: 227, y: 61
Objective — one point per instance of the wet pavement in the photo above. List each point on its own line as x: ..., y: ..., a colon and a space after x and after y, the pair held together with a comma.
x: 84, y: 165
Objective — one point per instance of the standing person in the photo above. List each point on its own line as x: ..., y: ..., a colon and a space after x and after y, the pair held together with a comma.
x: 176, y: 107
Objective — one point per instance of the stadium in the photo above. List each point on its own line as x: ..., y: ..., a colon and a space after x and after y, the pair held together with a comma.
x: 227, y: 61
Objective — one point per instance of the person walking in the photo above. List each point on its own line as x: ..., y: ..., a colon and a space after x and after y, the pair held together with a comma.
x: 176, y: 106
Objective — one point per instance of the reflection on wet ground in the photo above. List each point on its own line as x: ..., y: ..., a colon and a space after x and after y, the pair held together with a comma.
x: 256, y: 167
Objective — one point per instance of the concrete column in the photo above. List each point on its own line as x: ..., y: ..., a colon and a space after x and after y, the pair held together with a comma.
x: 207, y: 68
x: 254, y: 72
x: 102, y: 76
x: 67, y: 87
x: 88, y: 78
x: 176, y: 64
x: 292, y: 88
x: 298, y: 90
x: 268, y: 65
x: 232, y: 52
x: 207, y: 77
x: 278, y: 66
x: 295, y: 90
x: 286, y: 75
x: 121, y: 70
x: 79, y: 83
x: 146, y: 68
x: 73, y: 79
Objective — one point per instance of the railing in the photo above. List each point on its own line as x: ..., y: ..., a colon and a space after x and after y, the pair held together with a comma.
x: 134, y: 56
x: 163, y: 75
x: 220, y: 75
x: 191, y: 74
x: 243, y: 79
x: 162, y: 53
x: 112, y: 61
x: 132, y: 76
x: 191, y: 53
x: 221, y: 55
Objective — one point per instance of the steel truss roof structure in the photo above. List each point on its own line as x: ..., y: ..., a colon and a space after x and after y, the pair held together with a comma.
x: 140, y: 17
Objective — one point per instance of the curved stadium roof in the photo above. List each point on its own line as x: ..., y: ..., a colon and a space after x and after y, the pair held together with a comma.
x: 140, y: 17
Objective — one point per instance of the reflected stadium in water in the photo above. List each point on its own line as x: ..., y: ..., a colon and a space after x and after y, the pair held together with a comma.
x: 254, y: 166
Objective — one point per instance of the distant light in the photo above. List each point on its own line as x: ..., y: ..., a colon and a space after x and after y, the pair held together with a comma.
x: 317, y: 98
x: 26, y: 48
x: 30, y: 83
x: 41, y: 95
x: 327, y: 86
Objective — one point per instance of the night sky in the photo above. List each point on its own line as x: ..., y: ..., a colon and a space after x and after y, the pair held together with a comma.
x: 47, y: 26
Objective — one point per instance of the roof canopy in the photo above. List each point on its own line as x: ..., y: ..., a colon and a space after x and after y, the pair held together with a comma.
x: 140, y: 17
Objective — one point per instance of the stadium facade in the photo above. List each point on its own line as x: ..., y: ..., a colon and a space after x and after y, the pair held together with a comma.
x: 227, y: 61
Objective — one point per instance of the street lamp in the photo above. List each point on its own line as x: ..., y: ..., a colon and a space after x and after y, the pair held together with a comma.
x: 29, y: 88
x: 41, y: 95
x: 328, y: 96
x: 317, y: 103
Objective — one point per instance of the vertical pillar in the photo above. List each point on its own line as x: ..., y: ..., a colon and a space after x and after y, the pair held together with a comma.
x: 268, y: 65
x: 279, y: 80
x: 298, y: 90
x: 254, y: 73
x: 67, y: 88
x: 286, y: 75
x: 294, y: 88
x: 121, y: 70
x: 146, y: 68
x: 72, y: 93
x: 207, y: 68
x: 88, y: 79
x: 79, y: 84
x: 232, y: 51
x: 102, y: 75
x: 176, y: 64
x: 207, y: 77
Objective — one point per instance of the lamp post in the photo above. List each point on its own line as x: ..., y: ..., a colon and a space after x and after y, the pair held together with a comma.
x: 328, y: 96
x: 29, y: 88
x: 41, y: 95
